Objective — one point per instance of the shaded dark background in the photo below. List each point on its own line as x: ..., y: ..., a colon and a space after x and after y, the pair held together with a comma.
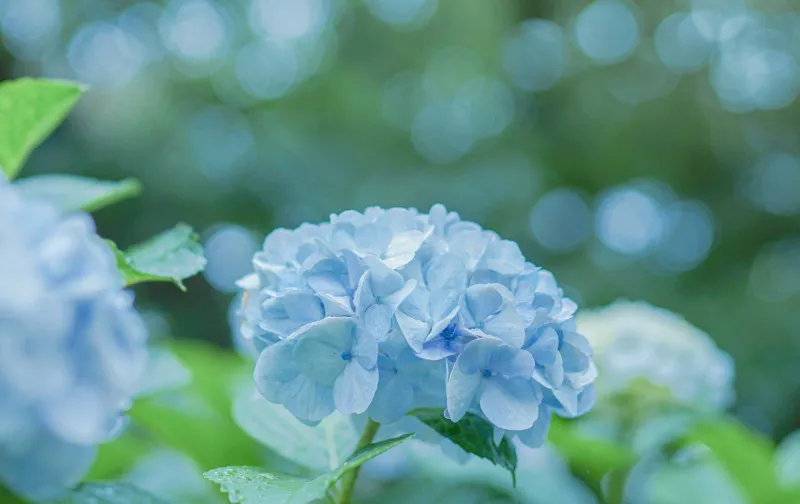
x: 643, y: 150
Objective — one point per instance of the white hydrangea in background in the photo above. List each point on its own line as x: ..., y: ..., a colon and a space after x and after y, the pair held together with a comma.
x: 634, y: 341
x: 669, y: 373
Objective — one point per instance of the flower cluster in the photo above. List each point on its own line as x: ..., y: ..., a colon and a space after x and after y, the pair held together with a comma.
x: 71, y: 346
x: 635, y: 341
x: 390, y: 310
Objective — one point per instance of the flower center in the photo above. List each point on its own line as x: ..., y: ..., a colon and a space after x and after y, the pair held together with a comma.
x: 486, y: 373
x: 449, y: 333
x: 346, y: 355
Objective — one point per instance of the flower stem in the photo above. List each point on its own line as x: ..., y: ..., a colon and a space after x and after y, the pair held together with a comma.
x: 349, y: 479
x: 629, y: 421
x: 616, y: 485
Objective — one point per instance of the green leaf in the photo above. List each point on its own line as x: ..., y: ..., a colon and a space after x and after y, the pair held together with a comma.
x: 30, y: 109
x: 250, y: 485
x: 164, y: 372
x: 368, y: 452
x: 587, y: 453
x: 319, y: 448
x: 109, y: 493
x: 474, y: 434
x: 6, y: 497
x: 745, y: 455
x: 118, y: 456
x: 196, y: 419
x: 70, y: 193
x: 171, y: 256
x: 787, y: 461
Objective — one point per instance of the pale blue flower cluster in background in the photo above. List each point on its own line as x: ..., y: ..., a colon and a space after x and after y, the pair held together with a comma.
x: 391, y: 310
x: 636, y: 341
x: 72, y: 347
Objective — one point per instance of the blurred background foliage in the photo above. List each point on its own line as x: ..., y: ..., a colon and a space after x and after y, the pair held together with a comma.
x: 644, y: 150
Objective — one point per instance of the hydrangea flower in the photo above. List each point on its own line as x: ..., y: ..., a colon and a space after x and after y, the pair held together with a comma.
x: 72, y: 347
x: 386, y: 311
x: 635, y: 341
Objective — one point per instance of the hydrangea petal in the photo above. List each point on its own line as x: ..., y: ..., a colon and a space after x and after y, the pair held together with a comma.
x: 355, y: 388
x: 275, y: 366
x: 462, y: 387
x: 508, y: 326
x: 565, y: 399
x: 483, y: 300
x: 503, y: 257
x: 378, y: 320
x: 393, y: 399
x: 307, y: 400
x: 477, y: 355
x: 319, y: 347
x: 415, y: 331
x: 537, y: 435
x: 365, y: 350
x: 574, y: 360
x: 510, y: 404
x: 404, y: 246
x: 545, y: 347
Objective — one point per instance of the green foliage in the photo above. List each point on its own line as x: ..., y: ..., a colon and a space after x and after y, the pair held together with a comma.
x: 30, y: 109
x: 111, y: 493
x: 319, y: 448
x: 70, y: 192
x: 591, y: 455
x: 745, y: 455
x: 171, y: 256
x: 118, y: 456
x: 472, y: 433
x: 196, y: 419
x: 787, y: 462
x: 249, y: 485
x: 6, y: 497
x: 368, y: 452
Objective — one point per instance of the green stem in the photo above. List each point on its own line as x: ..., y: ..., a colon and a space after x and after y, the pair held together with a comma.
x: 349, y: 479
x: 616, y: 485
x: 629, y: 422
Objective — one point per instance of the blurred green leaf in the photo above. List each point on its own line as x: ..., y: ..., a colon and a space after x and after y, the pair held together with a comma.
x: 171, y: 256
x: 320, y: 448
x: 586, y: 453
x: 109, y: 493
x: 6, y: 497
x: 164, y: 372
x: 250, y: 485
x: 744, y: 454
x: 787, y: 461
x: 30, y: 109
x: 197, y: 418
x: 118, y: 456
x: 70, y: 193
x: 472, y: 433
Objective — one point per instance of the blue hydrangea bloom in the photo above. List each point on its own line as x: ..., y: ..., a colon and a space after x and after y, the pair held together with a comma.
x: 72, y: 347
x: 389, y: 310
